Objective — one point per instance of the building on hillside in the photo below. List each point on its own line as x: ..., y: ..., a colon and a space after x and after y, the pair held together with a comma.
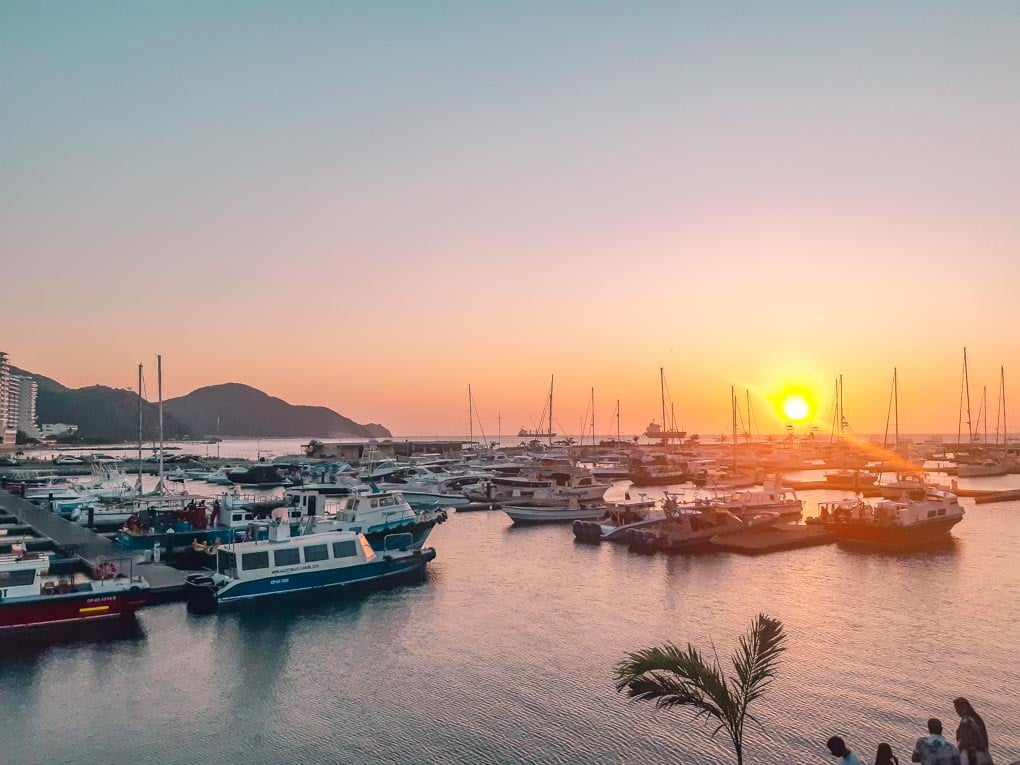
x: 28, y: 390
x: 353, y: 452
x: 8, y: 404
x: 57, y: 429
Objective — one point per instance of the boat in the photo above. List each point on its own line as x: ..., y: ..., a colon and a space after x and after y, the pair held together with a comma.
x: 850, y: 479
x: 523, y: 515
x: 895, y: 524
x: 659, y: 470
x: 911, y: 484
x: 619, y: 519
x: 309, y: 562
x: 32, y: 597
x: 257, y: 475
x: 692, y: 531
x: 772, y: 497
x: 983, y: 469
x: 377, y: 515
x: 665, y: 430
x: 545, y: 416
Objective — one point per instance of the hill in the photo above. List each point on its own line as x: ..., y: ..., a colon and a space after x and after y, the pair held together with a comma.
x: 105, y: 414
x: 245, y: 411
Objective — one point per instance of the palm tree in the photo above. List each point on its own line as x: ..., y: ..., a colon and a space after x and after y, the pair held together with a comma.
x: 675, y: 677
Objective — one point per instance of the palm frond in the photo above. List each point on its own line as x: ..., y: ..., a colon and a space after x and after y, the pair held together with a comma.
x: 757, y: 657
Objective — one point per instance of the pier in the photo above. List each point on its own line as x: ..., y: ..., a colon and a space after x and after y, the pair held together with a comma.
x: 166, y: 583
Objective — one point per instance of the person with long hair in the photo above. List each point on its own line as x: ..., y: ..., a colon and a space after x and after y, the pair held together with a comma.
x: 884, y: 755
x: 971, y: 735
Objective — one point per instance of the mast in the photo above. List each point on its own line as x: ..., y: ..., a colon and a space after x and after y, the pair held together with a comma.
x: 966, y: 387
x: 984, y: 406
x: 842, y: 417
x: 471, y: 418
x: 499, y: 429
x: 552, y: 379
x: 617, y: 422
x: 139, y: 430
x: 747, y: 393
x: 896, y: 398
x: 1002, y: 384
x: 593, y: 418
x: 159, y: 386
x: 662, y: 396
x: 733, y: 406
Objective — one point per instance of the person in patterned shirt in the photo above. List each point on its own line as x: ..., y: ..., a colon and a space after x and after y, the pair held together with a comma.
x: 933, y: 749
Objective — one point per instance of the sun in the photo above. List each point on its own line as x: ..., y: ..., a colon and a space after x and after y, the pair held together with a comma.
x: 796, y: 407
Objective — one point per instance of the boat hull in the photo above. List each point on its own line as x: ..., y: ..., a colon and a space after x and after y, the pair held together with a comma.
x: 53, y: 610
x: 379, y: 573
x: 525, y: 516
x: 892, y: 536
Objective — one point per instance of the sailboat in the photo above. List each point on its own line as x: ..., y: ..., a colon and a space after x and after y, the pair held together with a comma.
x: 843, y: 478
x: 978, y: 465
x: 665, y: 430
x: 548, y: 409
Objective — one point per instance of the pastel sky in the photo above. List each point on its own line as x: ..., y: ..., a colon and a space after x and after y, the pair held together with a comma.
x: 371, y: 205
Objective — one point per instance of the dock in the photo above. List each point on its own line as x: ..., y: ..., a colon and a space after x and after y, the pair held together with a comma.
x: 783, y: 536
x: 91, y: 549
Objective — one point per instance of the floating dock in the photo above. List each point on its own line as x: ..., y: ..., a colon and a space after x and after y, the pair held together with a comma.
x: 91, y: 549
x: 783, y: 536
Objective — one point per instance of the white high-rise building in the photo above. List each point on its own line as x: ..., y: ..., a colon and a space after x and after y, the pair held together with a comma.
x: 9, y: 394
x: 28, y: 389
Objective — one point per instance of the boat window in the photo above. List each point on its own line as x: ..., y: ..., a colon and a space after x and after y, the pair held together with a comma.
x: 255, y: 560
x: 931, y: 513
x: 18, y: 578
x: 385, y: 502
x: 345, y: 549
x: 226, y: 563
x: 315, y: 553
x: 374, y: 503
x: 941, y: 512
x: 237, y: 517
x: 288, y: 556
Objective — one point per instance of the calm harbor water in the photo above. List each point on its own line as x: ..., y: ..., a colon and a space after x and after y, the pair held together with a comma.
x: 505, y: 654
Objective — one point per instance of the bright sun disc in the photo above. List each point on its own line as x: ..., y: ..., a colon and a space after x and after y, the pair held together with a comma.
x: 796, y: 408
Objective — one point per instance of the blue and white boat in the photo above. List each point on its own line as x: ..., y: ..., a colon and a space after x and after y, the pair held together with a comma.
x: 309, y: 562
x: 375, y: 514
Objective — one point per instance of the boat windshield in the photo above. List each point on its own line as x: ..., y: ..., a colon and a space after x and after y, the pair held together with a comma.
x: 226, y: 563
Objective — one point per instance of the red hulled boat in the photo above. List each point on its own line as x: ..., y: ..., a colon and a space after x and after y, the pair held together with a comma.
x: 30, y: 597
x: 894, y: 524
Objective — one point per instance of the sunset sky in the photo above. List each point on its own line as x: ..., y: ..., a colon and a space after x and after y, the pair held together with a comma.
x: 370, y: 205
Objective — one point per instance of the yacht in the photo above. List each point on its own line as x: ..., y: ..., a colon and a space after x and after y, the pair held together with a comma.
x: 901, y: 523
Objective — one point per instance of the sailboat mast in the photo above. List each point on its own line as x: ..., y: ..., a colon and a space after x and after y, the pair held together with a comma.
x: 471, y: 418
x: 593, y: 418
x: 139, y: 429
x: 747, y: 394
x: 552, y: 379
x: 984, y: 406
x: 842, y: 417
x: 159, y: 386
x: 618, y: 422
x: 733, y: 407
x: 966, y: 387
x: 896, y: 396
x: 662, y: 396
x: 1002, y: 384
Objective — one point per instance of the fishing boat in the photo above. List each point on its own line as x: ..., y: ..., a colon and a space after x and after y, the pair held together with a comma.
x: 773, y: 497
x: 903, y: 523
x: 693, y: 531
x: 850, y: 479
x: 257, y: 475
x: 619, y: 519
x: 31, y: 597
x: 377, y: 515
x: 523, y: 515
x: 309, y: 562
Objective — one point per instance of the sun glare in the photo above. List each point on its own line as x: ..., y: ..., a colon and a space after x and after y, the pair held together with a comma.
x: 796, y: 408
